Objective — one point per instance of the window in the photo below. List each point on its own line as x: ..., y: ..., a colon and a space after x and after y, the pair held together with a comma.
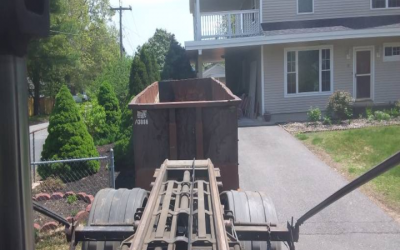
x: 391, y: 52
x: 305, y: 6
x: 384, y: 4
x: 308, y: 71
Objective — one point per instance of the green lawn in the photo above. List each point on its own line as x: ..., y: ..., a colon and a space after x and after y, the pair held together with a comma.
x: 359, y: 150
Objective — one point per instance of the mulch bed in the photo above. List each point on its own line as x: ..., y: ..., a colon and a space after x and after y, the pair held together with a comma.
x: 308, y: 127
x: 90, y: 184
x: 61, y: 207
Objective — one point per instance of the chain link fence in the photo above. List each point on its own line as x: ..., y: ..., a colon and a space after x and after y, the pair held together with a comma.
x: 88, y: 175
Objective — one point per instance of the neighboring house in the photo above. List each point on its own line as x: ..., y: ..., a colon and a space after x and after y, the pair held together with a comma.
x: 217, y: 71
x: 300, y: 51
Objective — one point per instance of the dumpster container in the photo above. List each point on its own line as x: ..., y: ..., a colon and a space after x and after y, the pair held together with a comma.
x: 183, y: 119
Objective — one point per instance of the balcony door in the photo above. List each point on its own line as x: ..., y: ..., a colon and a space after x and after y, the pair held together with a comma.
x: 363, y: 72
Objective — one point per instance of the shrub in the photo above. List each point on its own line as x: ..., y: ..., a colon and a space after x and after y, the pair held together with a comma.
x: 326, y: 120
x: 394, y: 112
x: 314, y: 114
x: 51, y: 184
x: 123, y: 148
x: 339, y: 105
x: 72, y: 199
x: 94, y: 118
x: 109, y: 101
x: 381, y: 116
x: 68, y: 138
x: 397, y: 105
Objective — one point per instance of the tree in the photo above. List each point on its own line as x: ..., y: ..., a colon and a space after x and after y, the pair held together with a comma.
x: 148, y: 59
x: 94, y: 117
x: 109, y: 101
x: 81, y: 44
x: 117, y: 74
x: 138, y: 79
x: 177, y: 65
x: 124, y: 145
x: 159, y: 44
x: 68, y: 139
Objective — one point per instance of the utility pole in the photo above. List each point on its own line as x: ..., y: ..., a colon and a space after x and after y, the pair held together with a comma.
x: 120, y: 8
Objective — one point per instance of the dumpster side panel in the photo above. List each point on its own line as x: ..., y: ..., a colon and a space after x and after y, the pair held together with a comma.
x: 220, y: 137
x: 186, y: 137
x: 150, y: 143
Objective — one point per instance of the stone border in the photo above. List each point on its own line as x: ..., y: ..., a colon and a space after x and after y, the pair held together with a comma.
x: 80, y: 216
x: 319, y: 127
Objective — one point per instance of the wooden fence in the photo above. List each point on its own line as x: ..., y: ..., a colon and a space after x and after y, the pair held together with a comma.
x: 46, y: 105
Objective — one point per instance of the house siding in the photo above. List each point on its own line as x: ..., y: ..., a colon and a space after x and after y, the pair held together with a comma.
x: 286, y: 10
x: 387, y: 75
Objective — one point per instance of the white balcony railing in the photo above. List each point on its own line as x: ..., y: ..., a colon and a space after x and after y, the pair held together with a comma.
x: 228, y: 24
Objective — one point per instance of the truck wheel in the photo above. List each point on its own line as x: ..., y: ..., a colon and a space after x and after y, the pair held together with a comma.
x: 254, y: 207
x: 114, y: 206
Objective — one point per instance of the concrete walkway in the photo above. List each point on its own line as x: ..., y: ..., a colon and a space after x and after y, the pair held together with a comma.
x: 273, y: 161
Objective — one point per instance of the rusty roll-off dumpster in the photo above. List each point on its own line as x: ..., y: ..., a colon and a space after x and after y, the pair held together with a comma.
x: 185, y: 119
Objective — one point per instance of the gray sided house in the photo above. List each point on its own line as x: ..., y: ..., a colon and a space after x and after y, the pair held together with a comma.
x: 290, y: 55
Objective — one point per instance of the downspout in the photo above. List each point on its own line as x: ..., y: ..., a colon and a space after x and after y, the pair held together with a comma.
x: 262, y: 82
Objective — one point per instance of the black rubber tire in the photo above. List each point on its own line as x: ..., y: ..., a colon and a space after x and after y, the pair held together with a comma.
x: 114, y: 206
x: 254, y: 207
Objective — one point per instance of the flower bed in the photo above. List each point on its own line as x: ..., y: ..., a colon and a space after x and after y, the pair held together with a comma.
x: 77, y: 210
x: 307, y: 127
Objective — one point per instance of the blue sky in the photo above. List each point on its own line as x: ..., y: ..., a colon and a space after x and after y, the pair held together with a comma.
x: 147, y: 15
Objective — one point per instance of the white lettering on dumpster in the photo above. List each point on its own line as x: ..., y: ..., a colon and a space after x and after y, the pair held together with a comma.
x: 141, y: 118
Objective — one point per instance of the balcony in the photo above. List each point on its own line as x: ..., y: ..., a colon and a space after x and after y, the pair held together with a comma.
x: 227, y: 25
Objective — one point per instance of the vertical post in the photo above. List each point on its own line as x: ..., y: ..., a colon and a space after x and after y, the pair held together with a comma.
x: 120, y: 32
x: 16, y: 209
x: 199, y: 64
x: 198, y: 17
x: 34, y: 157
x: 112, y: 169
x: 173, y: 150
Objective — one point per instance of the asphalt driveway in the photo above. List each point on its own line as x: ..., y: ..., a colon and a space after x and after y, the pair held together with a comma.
x: 273, y: 161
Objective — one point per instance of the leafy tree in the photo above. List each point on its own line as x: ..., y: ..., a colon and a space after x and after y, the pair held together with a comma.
x: 94, y: 117
x: 149, y: 61
x: 177, y: 65
x: 109, y: 101
x: 159, y: 44
x: 138, y: 79
x: 124, y: 146
x: 117, y: 74
x: 68, y: 138
x: 81, y: 44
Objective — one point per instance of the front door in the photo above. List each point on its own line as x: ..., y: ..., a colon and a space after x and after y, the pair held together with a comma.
x: 363, y: 73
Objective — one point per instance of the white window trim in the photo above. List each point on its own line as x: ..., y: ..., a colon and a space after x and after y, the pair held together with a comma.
x: 320, y: 92
x: 308, y: 13
x: 390, y: 58
x: 386, y: 6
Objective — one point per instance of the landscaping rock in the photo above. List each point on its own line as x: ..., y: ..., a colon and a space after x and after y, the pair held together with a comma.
x: 69, y: 193
x: 81, y: 196
x: 88, y: 208
x: 69, y: 219
x: 57, y: 196
x: 81, y: 216
x: 89, y: 198
x: 49, y: 226
x: 36, y: 226
x: 42, y: 197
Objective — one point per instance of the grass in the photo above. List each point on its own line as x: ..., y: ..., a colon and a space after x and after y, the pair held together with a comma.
x: 56, y: 241
x: 359, y: 150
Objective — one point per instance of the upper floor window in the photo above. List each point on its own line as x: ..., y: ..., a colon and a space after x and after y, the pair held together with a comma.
x: 305, y: 6
x: 391, y: 52
x: 384, y: 4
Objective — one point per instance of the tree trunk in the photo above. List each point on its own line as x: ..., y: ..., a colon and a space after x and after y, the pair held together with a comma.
x: 36, y: 100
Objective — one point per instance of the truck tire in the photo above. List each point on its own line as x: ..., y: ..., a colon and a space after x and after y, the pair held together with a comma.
x: 254, y: 207
x: 114, y: 206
